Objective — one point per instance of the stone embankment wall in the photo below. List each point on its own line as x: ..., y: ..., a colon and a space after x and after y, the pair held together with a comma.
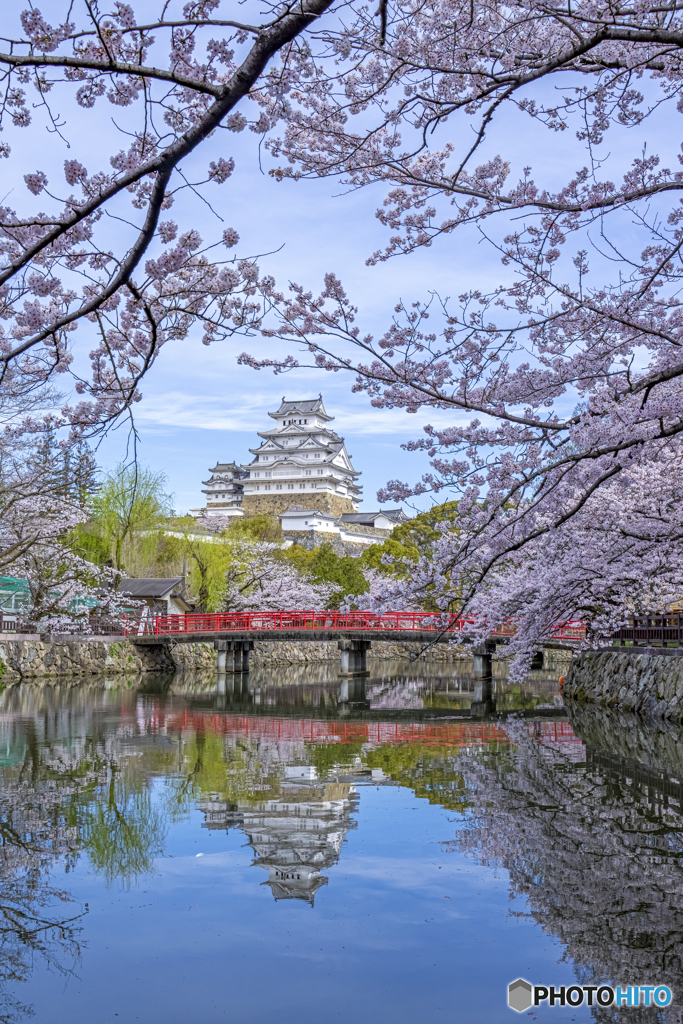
x: 326, y: 650
x: 646, y: 684
x: 31, y: 658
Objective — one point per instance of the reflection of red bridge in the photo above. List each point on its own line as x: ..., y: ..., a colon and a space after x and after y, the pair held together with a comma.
x: 312, y: 730
x: 311, y: 625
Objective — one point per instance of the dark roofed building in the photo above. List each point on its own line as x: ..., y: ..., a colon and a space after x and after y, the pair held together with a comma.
x: 163, y: 596
x: 384, y: 519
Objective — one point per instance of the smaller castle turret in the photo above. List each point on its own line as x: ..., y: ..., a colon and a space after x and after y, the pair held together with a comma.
x: 224, y: 488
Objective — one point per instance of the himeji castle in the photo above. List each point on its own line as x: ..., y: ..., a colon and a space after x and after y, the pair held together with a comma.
x: 300, y: 454
x: 302, y: 473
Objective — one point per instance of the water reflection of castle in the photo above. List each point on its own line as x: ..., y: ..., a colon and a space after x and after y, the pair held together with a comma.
x: 296, y: 835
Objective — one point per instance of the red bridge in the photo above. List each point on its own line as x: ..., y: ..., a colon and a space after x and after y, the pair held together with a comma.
x: 296, y: 625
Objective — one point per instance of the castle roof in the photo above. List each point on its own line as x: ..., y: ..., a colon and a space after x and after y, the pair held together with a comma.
x: 396, y: 515
x: 225, y: 467
x: 297, y: 513
x: 149, y: 587
x: 302, y: 406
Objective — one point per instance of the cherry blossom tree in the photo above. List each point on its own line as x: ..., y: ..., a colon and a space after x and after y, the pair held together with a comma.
x: 230, y: 571
x: 564, y: 381
x: 67, y: 279
x: 64, y: 587
x: 258, y: 579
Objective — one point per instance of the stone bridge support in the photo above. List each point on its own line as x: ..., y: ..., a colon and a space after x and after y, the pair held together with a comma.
x: 233, y: 655
x: 354, y: 656
x: 483, y: 678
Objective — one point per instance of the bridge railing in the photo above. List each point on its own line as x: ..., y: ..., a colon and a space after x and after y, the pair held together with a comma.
x: 225, y: 622
x: 660, y: 629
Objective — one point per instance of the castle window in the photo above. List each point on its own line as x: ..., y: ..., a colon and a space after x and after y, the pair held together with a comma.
x: 278, y: 487
x: 266, y: 487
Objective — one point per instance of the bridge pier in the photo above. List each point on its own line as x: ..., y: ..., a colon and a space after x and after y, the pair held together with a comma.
x: 354, y: 656
x: 352, y: 691
x: 483, y: 701
x: 233, y: 655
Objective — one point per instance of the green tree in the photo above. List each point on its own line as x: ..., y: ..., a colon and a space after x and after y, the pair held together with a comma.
x: 126, y: 511
x: 323, y: 565
x: 208, y: 556
x: 65, y: 468
x: 256, y: 528
x: 411, y: 540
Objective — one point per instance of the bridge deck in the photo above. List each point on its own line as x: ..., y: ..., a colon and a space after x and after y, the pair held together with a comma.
x: 274, y: 636
x: 397, y: 635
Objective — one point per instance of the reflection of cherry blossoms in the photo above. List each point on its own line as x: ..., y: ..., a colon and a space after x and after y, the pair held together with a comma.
x: 599, y: 864
x: 38, y: 921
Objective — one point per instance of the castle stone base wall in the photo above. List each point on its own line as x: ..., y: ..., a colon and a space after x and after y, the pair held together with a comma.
x: 311, y: 539
x: 273, y: 504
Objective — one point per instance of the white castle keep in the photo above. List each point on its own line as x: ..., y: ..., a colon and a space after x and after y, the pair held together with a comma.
x: 302, y: 473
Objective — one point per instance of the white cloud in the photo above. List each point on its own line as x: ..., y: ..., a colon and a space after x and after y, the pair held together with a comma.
x: 214, y: 412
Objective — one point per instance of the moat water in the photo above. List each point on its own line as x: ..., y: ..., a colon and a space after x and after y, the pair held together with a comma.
x: 293, y: 848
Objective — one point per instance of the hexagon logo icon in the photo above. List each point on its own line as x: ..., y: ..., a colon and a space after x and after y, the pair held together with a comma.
x: 519, y: 995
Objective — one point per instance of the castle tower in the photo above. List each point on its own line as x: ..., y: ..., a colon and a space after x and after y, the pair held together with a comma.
x: 223, y: 489
x: 301, y: 461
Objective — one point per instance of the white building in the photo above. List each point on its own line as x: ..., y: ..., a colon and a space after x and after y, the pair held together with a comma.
x: 224, y: 489
x: 349, y: 534
x: 302, y: 473
x: 300, y: 456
